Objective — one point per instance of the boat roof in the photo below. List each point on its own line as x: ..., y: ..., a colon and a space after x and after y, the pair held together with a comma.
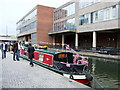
x: 49, y: 51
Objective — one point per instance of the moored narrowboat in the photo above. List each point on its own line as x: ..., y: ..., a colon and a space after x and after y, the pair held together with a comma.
x: 63, y: 63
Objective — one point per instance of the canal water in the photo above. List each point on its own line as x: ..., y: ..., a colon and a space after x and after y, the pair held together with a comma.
x: 105, y: 72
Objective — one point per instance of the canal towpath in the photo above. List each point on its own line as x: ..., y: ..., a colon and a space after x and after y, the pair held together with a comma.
x: 94, y: 54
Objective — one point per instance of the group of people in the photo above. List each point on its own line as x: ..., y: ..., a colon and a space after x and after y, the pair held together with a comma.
x: 16, y: 48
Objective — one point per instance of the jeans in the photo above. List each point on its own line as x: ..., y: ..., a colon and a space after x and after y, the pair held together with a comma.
x: 3, y: 54
x: 17, y: 54
x: 31, y: 62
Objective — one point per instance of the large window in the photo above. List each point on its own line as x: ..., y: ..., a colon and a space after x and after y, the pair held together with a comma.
x: 85, y: 3
x: 65, y: 25
x: 66, y: 11
x: 28, y: 17
x: 34, y: 38
x: 115, y: 10
x: 69, y: 9
x: 107, y: 13
x: 100, y: 15
x: 70, y: 24
x: 95, y: 16
x: 28, y: 27
x: 85, y: 19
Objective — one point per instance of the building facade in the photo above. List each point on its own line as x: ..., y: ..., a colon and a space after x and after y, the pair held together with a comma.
x: 7, y: 38
x: 87, y: 24
x: 34, y: 26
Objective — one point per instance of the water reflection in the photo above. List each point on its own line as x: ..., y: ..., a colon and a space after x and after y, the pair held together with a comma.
x: 105, y: 72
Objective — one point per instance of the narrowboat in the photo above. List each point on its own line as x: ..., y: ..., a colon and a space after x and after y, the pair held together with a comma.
x: 61, y: 62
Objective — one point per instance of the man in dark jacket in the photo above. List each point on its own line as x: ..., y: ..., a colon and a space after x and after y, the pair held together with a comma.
x: 31, y: 54
x: 3, y: 49
x: 16, y: 51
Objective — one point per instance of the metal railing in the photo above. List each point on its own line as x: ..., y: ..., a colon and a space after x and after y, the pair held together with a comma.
x: 56, y: 30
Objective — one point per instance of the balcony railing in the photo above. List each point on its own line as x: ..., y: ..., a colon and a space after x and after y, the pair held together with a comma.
x: 61, y: 31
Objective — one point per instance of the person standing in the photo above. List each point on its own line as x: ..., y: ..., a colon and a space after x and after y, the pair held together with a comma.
x: 16, y: 51
x: 31, y: 54
x: 3, y: 49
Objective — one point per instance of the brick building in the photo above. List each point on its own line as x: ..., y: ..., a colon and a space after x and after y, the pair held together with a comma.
x: 34, y: 26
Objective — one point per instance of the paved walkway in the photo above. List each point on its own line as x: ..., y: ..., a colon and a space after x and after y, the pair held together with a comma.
x: 91, y: 54
x: 18, y: 74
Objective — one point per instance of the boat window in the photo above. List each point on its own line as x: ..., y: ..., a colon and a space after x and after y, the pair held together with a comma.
x: 64, y: 57
x: 41, y: 57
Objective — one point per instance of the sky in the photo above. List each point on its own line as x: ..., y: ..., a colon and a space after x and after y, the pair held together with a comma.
x: 12, y: 11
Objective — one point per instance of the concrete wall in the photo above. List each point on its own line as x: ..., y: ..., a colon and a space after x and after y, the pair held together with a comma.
x: 100, y: 26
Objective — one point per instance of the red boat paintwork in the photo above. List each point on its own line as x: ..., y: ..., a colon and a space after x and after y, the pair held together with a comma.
x: 83, y: 81
x: 36, y: 56
x: 22, y: 51
x: 47, y: 59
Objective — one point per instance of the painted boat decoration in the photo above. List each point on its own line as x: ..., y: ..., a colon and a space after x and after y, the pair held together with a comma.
x: 61, y: 62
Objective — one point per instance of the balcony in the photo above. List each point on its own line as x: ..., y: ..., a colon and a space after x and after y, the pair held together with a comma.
x: 60, y: 31
x: 63, y: 30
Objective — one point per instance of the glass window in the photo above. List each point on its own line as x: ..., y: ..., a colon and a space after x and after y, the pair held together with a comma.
x: 101, y: 15
x: 70, y: 9
x: 82, y: 20
x: 65, y: 25
x: 95, y: 16
x: 70, y: 24
x: 66, y: 11
x: 107, y: 14
x: 27, y: 18
x: 28, y: 27
x: 85, y: 3
x: 33, y: 39
x: 114, y: 11
x: 85, y: 19
x: 41, y: 57
x: 91, y: 18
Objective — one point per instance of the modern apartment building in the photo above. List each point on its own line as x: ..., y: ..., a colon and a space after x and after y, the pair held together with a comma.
x: 34, y: 26
x: 87, y: 24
